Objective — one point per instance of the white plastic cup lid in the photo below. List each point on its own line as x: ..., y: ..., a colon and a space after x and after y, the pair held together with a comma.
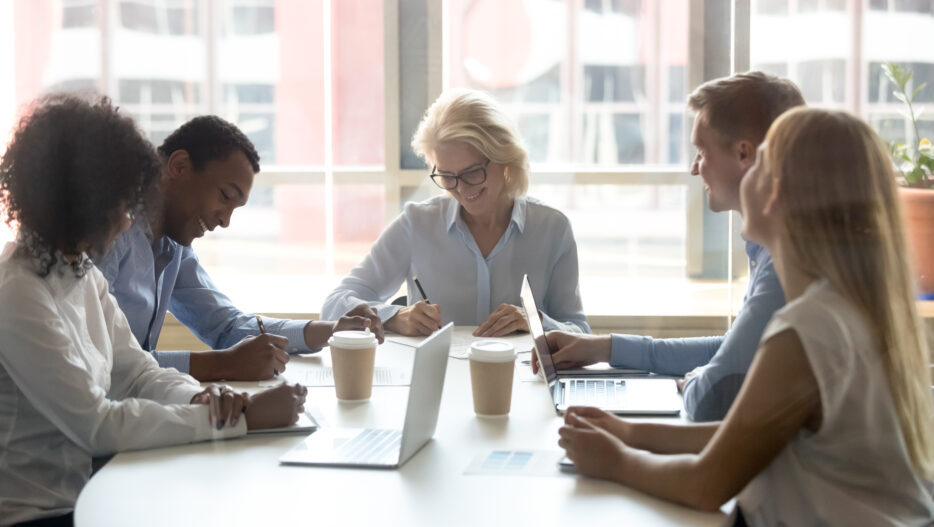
x: 352, y: 339
x: 492, y: 351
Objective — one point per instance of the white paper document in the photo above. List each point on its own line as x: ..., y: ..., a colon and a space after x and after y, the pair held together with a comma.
x: 463, y: 337
x: 516, y: 463
x: 324, y: 376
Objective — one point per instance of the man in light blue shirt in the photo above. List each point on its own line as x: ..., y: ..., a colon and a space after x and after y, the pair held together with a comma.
x: 733, y: 115
x: 208, y: 171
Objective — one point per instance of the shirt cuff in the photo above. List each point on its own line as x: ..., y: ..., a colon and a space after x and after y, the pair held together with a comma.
x: 630, y: 351
x: 387, y: 311
x: 294, y: 330
x: 180, y: 360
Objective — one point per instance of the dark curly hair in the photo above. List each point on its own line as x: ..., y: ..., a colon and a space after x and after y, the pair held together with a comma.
x: 209, y: 138
x: 73, y: 166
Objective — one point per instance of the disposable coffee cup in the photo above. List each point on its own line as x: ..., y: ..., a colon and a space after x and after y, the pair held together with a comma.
x: 353, y: 354
x: 492, y: 366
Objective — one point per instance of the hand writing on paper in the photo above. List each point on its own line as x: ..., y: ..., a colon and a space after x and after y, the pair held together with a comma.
x: 252, y: 359
x: 421, y: 318
x: 506, y: 319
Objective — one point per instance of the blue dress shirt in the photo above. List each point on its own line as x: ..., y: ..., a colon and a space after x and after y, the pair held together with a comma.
x: 149, y: 277
x: 431, y: 241
x: 709, y: 394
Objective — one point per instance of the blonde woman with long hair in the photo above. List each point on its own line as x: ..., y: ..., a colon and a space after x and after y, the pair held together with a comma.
x: 470, y: 246
x: 835, y: 422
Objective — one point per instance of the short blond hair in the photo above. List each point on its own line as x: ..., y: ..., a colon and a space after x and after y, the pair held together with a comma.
x: 473, y: 117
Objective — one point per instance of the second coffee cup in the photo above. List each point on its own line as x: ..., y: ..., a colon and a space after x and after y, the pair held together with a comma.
x: 492, y: 367
x: 353, y: 354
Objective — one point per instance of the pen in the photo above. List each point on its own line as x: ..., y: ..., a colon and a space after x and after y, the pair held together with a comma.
x: 262, y: 331
x: 420, y: 290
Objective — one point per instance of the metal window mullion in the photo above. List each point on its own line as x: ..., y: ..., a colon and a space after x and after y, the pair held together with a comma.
x: 328, y: 138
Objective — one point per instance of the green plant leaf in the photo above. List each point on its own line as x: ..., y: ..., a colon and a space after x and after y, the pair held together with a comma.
x: 918, y: 89
x: 900, y: 96
x: 916, y: 175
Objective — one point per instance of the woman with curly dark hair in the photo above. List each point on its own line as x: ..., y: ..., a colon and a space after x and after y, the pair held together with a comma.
x: 74, y: 382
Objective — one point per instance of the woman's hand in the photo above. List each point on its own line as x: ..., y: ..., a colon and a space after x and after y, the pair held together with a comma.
x: 276, y: 407
x: 506, y: 319
x: 224, y: 405
x: 595, y: 451
x: 623, y: 430
x: 421, y: 318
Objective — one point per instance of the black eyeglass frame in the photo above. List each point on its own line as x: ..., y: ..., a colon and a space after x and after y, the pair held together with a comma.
x: 458, y: 177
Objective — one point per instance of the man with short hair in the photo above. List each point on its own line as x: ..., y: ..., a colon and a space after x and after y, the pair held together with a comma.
x: 733, y: 115
x: 208, y: 166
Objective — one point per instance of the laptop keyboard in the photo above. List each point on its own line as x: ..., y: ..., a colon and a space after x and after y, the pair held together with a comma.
x: 372, y: 446
x: 598, y: 392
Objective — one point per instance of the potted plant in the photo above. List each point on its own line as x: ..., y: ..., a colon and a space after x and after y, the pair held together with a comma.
x: 915, y: 162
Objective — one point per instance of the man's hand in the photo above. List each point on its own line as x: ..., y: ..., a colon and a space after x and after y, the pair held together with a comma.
x: 570, y: 351
x: 687, y: 377
x: 360, y: 317
x: 418, y: 319
x: 276, y: 407
x: 224, y: 405
x: 506, y: 319
x: 252, y: 359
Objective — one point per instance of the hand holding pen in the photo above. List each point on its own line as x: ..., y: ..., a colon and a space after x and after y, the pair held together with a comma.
x: 420, y: 318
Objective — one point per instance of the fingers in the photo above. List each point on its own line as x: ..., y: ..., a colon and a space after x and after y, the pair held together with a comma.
x: 510, y: 321
x: 497, y: 318
x: 534, y: 362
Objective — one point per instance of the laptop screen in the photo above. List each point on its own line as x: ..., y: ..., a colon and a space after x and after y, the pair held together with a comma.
x: 538, y: 333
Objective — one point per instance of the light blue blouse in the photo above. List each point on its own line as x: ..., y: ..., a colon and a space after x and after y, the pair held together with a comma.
x: 431, y: 241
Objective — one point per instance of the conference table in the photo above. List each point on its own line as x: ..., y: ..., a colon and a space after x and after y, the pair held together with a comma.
x: 240, y: 481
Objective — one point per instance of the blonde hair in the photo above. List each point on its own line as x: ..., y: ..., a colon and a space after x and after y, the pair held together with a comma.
x: 844, y: 223
x: 473, y: 117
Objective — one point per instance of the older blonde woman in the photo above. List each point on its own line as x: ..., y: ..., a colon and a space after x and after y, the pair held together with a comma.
x: 470, y: 247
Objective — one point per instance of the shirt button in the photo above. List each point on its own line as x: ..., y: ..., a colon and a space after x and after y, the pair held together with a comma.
x: 752, y: 263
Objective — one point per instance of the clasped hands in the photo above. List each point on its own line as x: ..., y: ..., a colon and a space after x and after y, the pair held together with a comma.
x: 272, y: 408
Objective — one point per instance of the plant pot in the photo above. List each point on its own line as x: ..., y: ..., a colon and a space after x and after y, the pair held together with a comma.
x: 919, y: 218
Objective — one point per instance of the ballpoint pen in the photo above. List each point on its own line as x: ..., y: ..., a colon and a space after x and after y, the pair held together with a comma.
x: 262, y: 331
x: 420, y: 290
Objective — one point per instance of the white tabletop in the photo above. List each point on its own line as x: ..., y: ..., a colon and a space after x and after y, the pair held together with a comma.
x: 240, y: 482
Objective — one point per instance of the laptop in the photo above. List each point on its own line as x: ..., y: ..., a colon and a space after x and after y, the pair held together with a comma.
x: 382, y: 448
x: 619, y: 394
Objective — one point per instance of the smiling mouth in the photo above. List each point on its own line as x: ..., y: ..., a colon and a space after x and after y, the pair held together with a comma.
x: 204, y: 226
x: 473, y: 197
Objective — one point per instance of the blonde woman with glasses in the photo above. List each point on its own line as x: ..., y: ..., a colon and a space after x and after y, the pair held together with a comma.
x: 834, y: 424
x: 470, y: 247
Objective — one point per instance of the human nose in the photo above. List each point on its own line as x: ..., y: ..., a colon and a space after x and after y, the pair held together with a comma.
x: 695, y: 166
x: 224, y: 218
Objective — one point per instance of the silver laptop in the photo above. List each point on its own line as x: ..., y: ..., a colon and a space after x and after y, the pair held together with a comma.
x: 381, y: 448
x: 620, y: 394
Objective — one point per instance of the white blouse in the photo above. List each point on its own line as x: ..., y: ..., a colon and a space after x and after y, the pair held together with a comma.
x: 855, y: 470
x: 74, y: 384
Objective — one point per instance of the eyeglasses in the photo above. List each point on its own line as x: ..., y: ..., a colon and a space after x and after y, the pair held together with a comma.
x: 472, y: 176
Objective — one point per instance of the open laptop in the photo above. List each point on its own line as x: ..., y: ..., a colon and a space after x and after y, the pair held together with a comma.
x: 619, y: 394
x: 381, y: 448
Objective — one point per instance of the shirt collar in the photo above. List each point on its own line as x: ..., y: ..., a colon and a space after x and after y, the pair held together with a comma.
x: 518, y: 213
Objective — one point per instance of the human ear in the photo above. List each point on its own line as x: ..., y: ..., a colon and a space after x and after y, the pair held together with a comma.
x: 745, y: 153
x: 178, y: 165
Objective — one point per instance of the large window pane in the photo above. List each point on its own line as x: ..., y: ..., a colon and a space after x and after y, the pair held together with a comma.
x: 591, y: 83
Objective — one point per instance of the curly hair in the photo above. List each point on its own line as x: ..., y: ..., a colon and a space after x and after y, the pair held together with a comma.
x: 209, y: 138
x: 72, y: 167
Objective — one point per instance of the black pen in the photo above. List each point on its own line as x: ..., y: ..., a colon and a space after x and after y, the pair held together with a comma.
x: 262, y: 331
x: 420, y: 290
